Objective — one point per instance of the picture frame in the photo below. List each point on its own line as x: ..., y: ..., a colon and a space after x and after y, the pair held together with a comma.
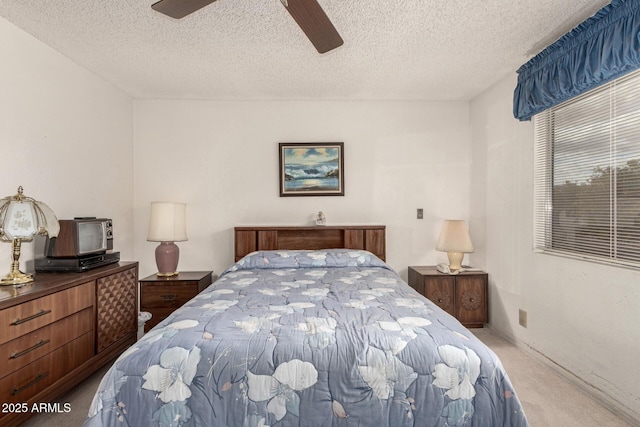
x: 311, y: 169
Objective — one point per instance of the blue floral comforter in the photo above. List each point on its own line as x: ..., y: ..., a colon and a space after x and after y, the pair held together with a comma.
x: 307, y: 338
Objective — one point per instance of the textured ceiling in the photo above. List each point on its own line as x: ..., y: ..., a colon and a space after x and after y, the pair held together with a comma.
x: 252, y: 49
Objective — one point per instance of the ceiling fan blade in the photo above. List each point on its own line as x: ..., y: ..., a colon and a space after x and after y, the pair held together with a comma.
x: 314, y: 23
x: 179, y: 8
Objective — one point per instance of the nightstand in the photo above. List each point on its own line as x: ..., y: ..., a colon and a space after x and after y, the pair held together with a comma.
x: 464, y: 295
x: 161, y: 296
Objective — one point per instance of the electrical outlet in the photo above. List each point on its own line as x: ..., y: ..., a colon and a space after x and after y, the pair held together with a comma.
x: 522, y: 318
x: 420, y: 213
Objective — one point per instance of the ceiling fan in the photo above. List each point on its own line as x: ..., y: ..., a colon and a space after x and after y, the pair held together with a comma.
x: 307, y: 13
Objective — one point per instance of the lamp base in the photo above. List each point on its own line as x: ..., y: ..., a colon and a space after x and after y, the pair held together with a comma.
x: 173, y: 273
x: 16, y: 277
x: 167, y: 255
x: 455, y: 260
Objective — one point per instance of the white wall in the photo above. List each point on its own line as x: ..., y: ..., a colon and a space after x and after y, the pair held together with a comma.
x: 221, y: 158
x: 582, y: 316
x: 66, y: 136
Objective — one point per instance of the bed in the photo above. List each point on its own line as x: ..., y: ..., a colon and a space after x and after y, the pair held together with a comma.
x: 321, y: 337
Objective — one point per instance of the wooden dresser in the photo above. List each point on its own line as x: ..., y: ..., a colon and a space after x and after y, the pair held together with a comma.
x: 57, y: 330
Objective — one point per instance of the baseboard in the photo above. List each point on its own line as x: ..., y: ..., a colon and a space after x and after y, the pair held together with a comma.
x: 619, y: 409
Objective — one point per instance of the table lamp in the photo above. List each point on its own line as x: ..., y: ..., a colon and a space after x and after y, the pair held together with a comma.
x: 455, y: 241
x: 167, y: 225
x: 21, y: 218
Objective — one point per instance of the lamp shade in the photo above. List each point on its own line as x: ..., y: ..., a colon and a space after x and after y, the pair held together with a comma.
x: 168, y: 222
x: 454, y: 237
x: 21, y: 218
x: 20, y: 222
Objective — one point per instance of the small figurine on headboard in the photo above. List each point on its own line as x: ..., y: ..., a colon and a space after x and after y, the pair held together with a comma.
x: 321, y: 218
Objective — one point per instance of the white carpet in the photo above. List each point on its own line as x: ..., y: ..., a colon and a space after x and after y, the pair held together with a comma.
x: 548, y: 399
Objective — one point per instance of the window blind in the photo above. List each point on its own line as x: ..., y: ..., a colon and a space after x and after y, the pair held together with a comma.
x: 587, y: 174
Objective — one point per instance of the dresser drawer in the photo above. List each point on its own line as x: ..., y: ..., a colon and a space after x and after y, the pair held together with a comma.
x: 27, y: 317
x: 32, y: 346
x: 35, y: 377
x: 167, y: 296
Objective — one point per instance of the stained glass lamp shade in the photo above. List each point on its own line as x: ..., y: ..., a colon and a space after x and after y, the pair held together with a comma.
x: 21, y: 218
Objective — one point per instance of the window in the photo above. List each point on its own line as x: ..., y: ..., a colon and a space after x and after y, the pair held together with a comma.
x: 587, y: 174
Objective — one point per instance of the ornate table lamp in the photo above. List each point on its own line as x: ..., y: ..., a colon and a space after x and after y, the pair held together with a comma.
x: 455, y: 241
x: 21, y: 218
x: 167, y: 225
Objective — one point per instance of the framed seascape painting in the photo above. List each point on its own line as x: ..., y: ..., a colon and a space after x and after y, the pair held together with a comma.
x: 312, y: 169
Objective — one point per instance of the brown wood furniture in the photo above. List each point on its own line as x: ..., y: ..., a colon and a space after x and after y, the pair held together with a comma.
x: 160, y: 296
x: 369, y: 237
x: 464, y: 296
x: 57, y: 330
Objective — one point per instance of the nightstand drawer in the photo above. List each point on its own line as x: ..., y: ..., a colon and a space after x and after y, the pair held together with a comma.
x: 472, y: 300
x: 441, y: 290
x: 167, y: 296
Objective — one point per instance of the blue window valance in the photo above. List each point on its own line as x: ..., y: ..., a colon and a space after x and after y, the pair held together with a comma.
x: 602, y: 48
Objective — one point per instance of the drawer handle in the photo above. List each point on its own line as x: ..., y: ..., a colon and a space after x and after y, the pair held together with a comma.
x: 25, y: 351
x: 169, y: 297
x: 19, y: 321
x: 36, y: 380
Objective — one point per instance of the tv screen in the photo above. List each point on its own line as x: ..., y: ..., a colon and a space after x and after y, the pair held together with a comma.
x: 91, y: 237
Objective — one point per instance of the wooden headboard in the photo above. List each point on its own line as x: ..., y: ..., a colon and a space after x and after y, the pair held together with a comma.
x: 368, y: 237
